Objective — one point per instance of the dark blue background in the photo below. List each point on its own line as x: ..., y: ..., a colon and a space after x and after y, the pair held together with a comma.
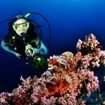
x: 69, y: 21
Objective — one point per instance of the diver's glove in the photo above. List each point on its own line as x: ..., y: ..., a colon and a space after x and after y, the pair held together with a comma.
x: 7, y: 48
x: 18, y: 55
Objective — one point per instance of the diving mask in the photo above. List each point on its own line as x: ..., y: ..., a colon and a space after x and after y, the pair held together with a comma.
x: 22, y: 26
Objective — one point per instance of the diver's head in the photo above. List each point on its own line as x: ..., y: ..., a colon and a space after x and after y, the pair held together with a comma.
x: 20, y: 26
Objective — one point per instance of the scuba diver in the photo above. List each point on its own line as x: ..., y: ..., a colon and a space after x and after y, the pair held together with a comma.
x: 23, y: 40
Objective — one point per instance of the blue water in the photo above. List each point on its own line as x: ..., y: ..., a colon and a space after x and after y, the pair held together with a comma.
x: 69, y: 21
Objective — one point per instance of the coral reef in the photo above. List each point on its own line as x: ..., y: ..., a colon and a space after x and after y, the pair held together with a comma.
x: 67, y: 79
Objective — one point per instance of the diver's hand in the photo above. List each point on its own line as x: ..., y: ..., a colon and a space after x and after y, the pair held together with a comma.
x: 35, y: 50
x: 18, y: 55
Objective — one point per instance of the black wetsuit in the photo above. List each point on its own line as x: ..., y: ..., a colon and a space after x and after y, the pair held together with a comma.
x: 17, y: 43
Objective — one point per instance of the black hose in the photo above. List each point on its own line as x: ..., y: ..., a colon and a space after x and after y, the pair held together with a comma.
x: 47, y: 23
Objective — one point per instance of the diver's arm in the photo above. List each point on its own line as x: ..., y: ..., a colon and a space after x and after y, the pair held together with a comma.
x: 5, y: 47
x: 42, y: 49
